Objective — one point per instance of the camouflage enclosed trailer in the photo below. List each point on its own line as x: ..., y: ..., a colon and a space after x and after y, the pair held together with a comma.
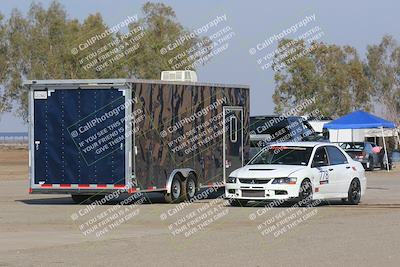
x: 96, y: 136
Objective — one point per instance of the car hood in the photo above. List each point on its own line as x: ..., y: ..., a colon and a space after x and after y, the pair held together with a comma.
x: 266, y: 171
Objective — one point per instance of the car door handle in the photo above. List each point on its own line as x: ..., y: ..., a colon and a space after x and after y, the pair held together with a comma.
x: 347, y: 167
x: 330, y: 170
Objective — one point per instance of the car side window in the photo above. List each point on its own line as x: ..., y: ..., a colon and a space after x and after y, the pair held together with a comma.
x: 336, y: 157
x: 320, y: 158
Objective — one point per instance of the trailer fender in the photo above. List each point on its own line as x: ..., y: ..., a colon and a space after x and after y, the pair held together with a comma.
x: 184, y: 172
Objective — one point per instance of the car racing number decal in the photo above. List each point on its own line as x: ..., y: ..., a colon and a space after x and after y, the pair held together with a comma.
x: 324, y: 177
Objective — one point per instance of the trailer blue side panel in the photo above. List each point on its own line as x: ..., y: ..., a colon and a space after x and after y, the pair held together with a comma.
x: 79, y: 137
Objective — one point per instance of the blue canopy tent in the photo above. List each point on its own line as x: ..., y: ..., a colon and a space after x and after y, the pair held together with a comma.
x: 362, y: 120
x: 359, y: 120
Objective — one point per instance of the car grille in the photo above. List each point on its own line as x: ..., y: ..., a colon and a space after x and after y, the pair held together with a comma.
x: 254, y: 181
x: 253, y: 193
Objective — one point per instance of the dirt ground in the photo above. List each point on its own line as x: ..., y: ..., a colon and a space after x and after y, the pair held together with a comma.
x: 49, y: 230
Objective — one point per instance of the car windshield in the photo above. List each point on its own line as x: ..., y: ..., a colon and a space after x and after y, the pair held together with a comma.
x: 283, y: 155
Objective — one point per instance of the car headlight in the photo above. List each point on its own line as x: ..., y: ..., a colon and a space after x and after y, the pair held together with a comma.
x: 231, y: 180
x: 284, y: 180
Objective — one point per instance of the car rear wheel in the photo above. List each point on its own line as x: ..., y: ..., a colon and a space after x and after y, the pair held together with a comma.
x: 305, y: 193
x: 354, y: 194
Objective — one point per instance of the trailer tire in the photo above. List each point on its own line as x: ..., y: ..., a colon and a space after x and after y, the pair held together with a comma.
x: 176, y: 194
x: 190, y: 187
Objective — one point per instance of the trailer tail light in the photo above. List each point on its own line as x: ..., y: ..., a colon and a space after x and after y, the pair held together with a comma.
x: 131, y: 190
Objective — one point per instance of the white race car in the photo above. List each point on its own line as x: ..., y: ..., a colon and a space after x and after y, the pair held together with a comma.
x: 301, y: 171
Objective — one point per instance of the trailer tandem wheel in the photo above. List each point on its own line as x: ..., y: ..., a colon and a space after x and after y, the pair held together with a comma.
x: 190, y: 187
x: 176, y: 194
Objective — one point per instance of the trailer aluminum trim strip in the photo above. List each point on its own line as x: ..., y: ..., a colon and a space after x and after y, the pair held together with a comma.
x: 108, y: 82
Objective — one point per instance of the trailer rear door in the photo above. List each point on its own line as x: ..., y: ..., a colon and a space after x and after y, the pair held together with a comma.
x: 78, y: 137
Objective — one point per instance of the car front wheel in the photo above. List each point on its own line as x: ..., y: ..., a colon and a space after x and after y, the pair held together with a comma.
x: 305, y: 193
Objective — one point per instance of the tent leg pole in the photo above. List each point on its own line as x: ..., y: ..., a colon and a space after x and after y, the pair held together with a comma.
x: 386, y: 155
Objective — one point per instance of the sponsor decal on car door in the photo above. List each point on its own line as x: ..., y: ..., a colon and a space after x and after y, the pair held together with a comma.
x: 321, y: 170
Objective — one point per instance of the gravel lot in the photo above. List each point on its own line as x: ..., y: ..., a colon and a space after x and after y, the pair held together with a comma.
x: 51, y: 230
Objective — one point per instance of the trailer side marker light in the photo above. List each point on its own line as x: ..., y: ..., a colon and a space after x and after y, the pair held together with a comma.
x: 119, y: 186
x: 65, y: 185
x: 101, y: 186
x: 30, y: 190
x: 151, y: 187
x: 46, y: 185
x: 83, y: 185
x: 131, y: 190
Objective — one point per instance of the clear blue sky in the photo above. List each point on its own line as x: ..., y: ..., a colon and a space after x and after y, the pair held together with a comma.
x: 356, y: 23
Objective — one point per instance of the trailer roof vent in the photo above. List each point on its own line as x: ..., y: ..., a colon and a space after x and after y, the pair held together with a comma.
x: 179, y: 76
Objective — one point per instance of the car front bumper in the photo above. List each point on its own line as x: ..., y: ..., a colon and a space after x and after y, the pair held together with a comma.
x: 261, y: 191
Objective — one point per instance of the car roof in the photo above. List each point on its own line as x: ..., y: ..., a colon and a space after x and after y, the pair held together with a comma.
x: 304, y: 144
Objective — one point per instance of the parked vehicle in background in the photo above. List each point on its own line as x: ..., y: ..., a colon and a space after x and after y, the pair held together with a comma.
x: 266, y: 130
x: 301, y: 171
x: 363, y: 152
